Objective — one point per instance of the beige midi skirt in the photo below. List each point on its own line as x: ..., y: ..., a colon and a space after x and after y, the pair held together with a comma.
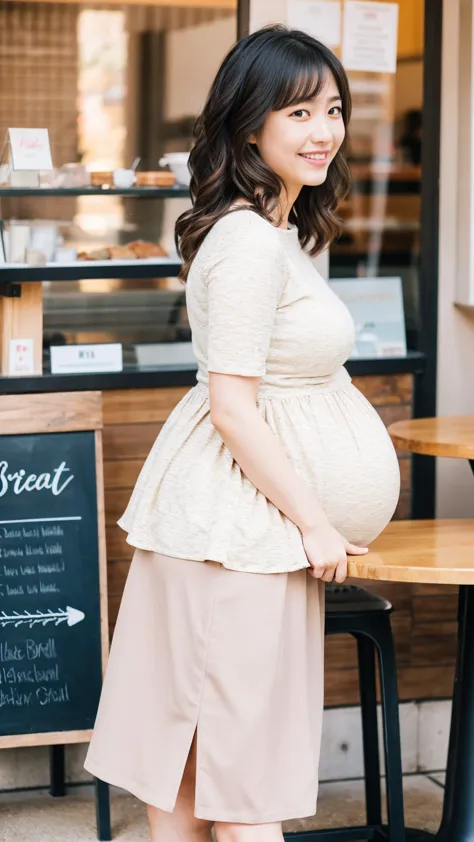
x: 236, y: 658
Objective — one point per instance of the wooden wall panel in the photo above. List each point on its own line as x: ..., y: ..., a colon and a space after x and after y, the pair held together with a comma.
x: 117, y: 574
x: 116, y: 503
x: 394, y: 412
x: 434, y: 642
x: 121, y: 473
x: 403, y: 510
x: 424, y: 618
x: 386, y: 389
x: 438, y: 607
x: 140, y: 406
x: 122, y: 438
x: 117, y: 547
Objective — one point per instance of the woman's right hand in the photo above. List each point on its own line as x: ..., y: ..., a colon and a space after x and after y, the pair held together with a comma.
x: 327, y: 551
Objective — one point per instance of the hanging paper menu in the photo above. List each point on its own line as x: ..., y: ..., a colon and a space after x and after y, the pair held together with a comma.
x: 370, y: 36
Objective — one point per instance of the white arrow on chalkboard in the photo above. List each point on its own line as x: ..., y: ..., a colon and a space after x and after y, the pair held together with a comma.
x: 71, y: 615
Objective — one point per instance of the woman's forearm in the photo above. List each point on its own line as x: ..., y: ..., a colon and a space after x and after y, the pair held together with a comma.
x: 263, y: 460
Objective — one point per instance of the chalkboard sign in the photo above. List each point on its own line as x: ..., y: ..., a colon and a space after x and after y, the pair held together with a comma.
x: 51, y: 587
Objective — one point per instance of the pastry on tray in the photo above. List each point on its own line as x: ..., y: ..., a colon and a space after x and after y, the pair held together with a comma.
x: 138, y: 249
x: 121, y: 253
x: 97, y: 254
x: 143, y: 249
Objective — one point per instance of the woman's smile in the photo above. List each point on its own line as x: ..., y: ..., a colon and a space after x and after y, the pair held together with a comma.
x: 316, y: 159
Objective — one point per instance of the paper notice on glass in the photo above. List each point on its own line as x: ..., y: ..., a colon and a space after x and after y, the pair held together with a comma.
x: 376, y: 305
x: 263, y: 12
x: 370, y: 36
x: 320, y: 18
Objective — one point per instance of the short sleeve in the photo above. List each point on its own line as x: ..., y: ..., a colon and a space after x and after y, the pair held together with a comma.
x: 245, y: 278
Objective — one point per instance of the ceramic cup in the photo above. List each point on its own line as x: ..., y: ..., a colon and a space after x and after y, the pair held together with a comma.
x: 124, y: 178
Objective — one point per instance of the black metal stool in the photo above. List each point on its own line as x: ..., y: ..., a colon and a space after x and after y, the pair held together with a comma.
x: 366, y: 616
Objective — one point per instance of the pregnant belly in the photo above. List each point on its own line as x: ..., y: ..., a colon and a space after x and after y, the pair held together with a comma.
x: 339, y: 444
x: 359, y: 491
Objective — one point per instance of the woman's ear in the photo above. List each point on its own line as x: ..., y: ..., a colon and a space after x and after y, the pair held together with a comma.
x: 252, y: 138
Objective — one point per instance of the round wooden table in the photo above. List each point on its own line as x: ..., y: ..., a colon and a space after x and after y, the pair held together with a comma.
x: 439, y: 552
x: 449, y: 436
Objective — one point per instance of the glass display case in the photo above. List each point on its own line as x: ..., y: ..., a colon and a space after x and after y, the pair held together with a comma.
x: 118, y: 89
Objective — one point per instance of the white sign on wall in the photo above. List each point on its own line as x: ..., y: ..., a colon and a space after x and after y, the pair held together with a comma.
x: 376, y: 305
x: 370, y: 36
x: 320, y: 18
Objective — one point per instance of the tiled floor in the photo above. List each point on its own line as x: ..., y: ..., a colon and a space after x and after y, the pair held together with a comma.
x: 36, y: 817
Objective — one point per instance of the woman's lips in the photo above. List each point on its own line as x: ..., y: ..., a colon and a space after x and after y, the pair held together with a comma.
x: 315, y: 159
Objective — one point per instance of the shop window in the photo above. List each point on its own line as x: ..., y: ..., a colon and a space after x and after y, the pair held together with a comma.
x: 381, y: 233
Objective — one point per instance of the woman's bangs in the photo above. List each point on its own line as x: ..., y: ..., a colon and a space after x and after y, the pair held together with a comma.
x: 299, y: 80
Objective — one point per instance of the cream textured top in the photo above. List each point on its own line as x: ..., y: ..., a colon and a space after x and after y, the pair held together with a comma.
x: 258, y: 307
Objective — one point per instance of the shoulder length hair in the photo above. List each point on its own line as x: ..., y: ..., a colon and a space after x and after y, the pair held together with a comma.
x: 272, y: 69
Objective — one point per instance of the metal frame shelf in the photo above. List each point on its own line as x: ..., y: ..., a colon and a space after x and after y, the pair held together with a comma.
x: 177, y: 192
x: 181, y: 374
x: 88, y: 269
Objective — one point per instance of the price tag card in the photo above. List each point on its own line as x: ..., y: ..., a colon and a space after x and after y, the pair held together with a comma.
x: 30, y: 149
x: 21, y: 360
x: 370, y: 36
x: 75, y: 359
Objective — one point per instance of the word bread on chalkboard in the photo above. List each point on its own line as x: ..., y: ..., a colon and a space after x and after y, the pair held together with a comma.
x: 50, y: 629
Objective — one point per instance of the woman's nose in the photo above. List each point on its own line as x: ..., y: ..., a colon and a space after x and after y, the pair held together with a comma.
x: 321, y: 132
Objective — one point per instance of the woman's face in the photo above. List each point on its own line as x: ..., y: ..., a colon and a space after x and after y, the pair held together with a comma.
x: 298, y: 143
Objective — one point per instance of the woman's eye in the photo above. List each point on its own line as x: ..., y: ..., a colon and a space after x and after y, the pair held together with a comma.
x: 299, y: 112
x: 335, y: 110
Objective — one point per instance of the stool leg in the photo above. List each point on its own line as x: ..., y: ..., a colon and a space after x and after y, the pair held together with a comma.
x: 368, y: 704
x: 102, y: 806
x: 391, y: 727
x: 57, y: 771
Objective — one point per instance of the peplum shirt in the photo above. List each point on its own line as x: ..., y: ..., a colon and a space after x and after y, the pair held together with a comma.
x: 258, y: 307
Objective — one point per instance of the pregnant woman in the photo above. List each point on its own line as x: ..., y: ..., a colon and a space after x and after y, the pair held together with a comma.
x: 266, y: 475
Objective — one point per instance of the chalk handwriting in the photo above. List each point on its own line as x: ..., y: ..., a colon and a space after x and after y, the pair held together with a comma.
x: 20, y: 481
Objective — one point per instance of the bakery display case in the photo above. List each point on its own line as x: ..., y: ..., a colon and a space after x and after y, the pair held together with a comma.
x: 87, y: 252
x: 116, y: 287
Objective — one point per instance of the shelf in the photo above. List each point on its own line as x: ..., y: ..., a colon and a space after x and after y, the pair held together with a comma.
x: 177, y: 192
x: 182, y: 375
x: 87, y: 269
x: 364, y: 187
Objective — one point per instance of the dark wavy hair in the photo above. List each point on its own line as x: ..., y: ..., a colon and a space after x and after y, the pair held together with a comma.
x: 271, y: 69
